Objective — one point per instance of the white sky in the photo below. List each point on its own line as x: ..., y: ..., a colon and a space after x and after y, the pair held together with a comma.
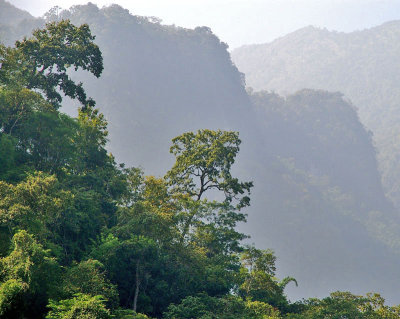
x: 239, y: 22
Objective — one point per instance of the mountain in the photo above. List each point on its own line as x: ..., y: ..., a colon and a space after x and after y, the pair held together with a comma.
x: 10, y: 15
x: 364, y: 65
x: 317, y: 201
x: 159, y: 81
x: 15, y: 23
x: 320, y: 195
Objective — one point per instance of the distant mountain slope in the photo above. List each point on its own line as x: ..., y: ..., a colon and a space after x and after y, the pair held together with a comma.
x: 320, y: 195
x: 317, y: 199
x: 314, y: 125
x: 10, y: 15
x: 364, y: 65
x: 15, y: 23
x: 159, y: 81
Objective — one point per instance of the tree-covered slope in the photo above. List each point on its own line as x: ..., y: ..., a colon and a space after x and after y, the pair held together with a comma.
x: 15, y: 23
x: 159, y: 81
x: 364, y: 65
x: 321, y: 194
x: 317, y: 198
x: 10, y: 15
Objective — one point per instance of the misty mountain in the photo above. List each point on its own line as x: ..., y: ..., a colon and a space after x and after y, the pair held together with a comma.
x: 364, y: 65
x: 158, y: 81
x: 15, y: 23
x: 10, y: 15
x: 317, y: 201
x: 321, y: 195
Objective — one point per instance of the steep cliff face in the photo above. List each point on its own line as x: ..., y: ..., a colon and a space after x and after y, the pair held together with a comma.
x: 364, y: 65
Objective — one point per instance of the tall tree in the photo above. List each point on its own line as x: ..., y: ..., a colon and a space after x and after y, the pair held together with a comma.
x: 203, y: 164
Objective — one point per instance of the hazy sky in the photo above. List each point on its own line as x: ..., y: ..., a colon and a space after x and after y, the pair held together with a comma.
x: 239, y: 22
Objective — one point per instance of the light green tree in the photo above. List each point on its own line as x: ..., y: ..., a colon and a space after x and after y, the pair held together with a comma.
x: 28, y: 276
x: 258, y: 281
x: 81, y: 306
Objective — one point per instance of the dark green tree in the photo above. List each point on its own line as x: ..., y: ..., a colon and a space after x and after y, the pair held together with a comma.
x: 42, y: 61
x: 130, y: 264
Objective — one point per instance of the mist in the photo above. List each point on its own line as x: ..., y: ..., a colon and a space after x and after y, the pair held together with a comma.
x: 238, y: 22
x: 295, y: 102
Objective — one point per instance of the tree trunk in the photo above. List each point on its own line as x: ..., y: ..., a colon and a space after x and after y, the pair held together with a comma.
x: 136, y: 287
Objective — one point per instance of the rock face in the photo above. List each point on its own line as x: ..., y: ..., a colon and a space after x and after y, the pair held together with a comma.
x: 364, y: 65
x: 317, y: 201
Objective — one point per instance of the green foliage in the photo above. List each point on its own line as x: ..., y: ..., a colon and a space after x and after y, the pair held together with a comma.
x: 346, y: 305
x: 203, y: 162
x: 81, y: 306
x: 28, y: 261
x: 16, y: 105
x: 193, y: 234
x: 43, y: 138
x: 41, y: 62
x: 72, y: 197
x: 29, y: 276
x: 147, y: 209
x: 35, y: 136
x: 203, y: 165
x: 128, y: 314
x: 33, y: 205
x: 7, y: 156
x: 258, y: 281
x: 206, y: 307
x: 129, y: 263
x: 88, y: 277
x: 11, y: 298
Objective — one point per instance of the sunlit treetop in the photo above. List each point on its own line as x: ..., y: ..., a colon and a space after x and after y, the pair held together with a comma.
x: 203, y: 162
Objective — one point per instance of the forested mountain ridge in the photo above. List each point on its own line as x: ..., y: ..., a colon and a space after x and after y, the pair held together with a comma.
x: 322, y: 190
x: 168, y: 75
x: 160, y: 81
x: 154, y: 67
x: 15, y: 23
x: 10, y: 15
x: 364, y: 65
